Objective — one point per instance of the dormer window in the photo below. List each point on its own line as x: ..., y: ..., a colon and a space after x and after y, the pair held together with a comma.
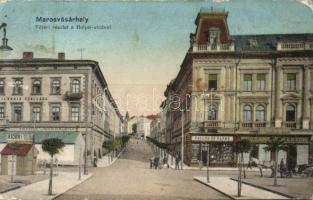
x: 214, y: 36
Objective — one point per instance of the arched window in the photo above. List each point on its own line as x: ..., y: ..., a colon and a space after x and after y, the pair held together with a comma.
x: 17, y: 87
x: 1, y: 87
x: 260, y: 113
x: 76, y: 86
x: 290, y: 113
x: 36, y: 87
x: 247, y: 113
x: 212, y: 112
x: 56, y: 86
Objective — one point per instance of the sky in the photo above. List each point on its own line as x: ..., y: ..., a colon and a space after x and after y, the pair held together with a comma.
x: 147, y: 40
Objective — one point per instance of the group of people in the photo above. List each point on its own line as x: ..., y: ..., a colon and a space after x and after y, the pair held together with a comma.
x: 159, y: 163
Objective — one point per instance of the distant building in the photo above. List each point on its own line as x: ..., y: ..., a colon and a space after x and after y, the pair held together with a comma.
x: 234, y: 87
x: 58, y: 97
x: 142, y: 125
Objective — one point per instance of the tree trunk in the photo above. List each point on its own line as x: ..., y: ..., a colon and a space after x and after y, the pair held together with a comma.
x: 239, y: 177
x: 243, y: 167
x: 275, y: 168
x: 51, y: 175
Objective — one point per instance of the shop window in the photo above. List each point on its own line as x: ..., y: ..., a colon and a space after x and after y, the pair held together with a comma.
x: 2, y: 86
x: 254, y: 151
x: 290, y: 113
x: 247, y: 84
x: 260, y: 114
x: 195, y: 151
x: 75, y: 86
x: 247, y: 113
x: 17, y: 88
x: 261, y: 82
x: 17, y: 112
x: 212, y: 82
x: 291, y: 81
x: 55, y: 86
x: 37, y: 86
x: 2, y: 111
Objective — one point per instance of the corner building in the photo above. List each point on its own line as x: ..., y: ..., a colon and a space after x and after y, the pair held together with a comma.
x: 233, y: 87
x: 68, y: 99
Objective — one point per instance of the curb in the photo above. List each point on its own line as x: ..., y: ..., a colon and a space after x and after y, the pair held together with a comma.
x: 223, y: 193
x: 56, y: 196
x: 264, y: 188
x: 10, y: 189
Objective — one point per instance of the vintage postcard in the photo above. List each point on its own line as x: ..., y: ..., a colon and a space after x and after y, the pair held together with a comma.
x: 156, y: 100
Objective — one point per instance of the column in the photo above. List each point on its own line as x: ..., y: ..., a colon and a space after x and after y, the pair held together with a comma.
x: 306, y: 102
x: 278, y: 87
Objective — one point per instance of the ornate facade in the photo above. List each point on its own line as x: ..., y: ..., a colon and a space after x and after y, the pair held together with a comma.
x: 233, y: 87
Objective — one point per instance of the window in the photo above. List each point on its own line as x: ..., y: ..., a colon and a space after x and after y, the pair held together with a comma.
x: 2, y: 86
x: 55, y: 112
x: 55, y: 86
x: 36, y: 113
x: 260, y: 114
x: 213, y: 81
x: 212, y: 112
x: 75, y: 111
x: 291, y: 82
x: 36, y: 86
x: 247, y: 113
x: 261, y: 82
x: 290, y: 113
x: 213, y: 37
x: 75, y: 86
x: 2, y: 113
x: 18, y: 87
x: 247, y: 82
x: 17, y: 112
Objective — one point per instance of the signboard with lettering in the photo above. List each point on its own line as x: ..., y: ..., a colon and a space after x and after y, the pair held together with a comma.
x: 212, y: 138
x: 287, y: 139
x: 19, y: 138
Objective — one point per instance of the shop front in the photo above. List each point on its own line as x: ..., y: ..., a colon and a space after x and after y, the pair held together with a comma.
x: 295, y: 154
x: 219, y: 147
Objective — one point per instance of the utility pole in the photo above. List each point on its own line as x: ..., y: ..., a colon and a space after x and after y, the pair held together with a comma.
x: 81, y: 52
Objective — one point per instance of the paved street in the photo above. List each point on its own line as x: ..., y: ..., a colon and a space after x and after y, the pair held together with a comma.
x: 131, y: 178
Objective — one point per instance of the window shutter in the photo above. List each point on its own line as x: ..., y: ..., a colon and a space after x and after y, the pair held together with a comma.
x: 247, y: 77
x: 261, y: 77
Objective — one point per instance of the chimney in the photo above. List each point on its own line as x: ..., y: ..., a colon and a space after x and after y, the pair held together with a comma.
x: 28, y: 55
x: 61, y: 56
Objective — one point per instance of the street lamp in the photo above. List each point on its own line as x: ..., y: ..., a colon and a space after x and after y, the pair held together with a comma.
x: 5, y: 46
x: 208, y: 146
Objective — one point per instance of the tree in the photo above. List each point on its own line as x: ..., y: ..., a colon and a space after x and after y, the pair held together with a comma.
x: 242, y: 146
x: 52, y: 146
x: 275, y: 144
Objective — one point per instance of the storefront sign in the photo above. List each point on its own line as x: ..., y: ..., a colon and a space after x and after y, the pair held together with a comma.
x: 287, y: 139
x: 20, y: 138
x: 212, y: 138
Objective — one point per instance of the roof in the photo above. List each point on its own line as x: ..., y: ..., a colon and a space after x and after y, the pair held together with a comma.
x: 257, y: 43
x: 68, y: 137
x: 16, y: 149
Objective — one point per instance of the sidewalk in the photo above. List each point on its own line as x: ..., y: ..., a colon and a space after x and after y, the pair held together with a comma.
x: 39, y: 190
x: 229, y: 187
x: 106, y: 160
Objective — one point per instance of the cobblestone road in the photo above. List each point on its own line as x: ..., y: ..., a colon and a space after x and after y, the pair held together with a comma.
x: 131, y: 178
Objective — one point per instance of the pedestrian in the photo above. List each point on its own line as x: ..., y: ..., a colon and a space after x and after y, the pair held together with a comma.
x: 282, y: 168
x: 176, y: 162
x: 156, y: 162
x: 151, y: 162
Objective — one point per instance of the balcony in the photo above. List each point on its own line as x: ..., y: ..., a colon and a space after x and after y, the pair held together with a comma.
x: 291, y: 125
x: 294, y: 46
x: 73, y: 95
x: 228, y: 47
x: 3, y: 123
x: 253, y: 124
x: 211, y: 124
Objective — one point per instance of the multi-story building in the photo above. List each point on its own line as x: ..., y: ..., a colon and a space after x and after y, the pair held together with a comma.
x: 142, y: 125
x: 233, y: 87
x: 58, y: 97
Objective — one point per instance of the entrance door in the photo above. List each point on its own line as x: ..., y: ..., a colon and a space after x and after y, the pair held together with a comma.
x: 292, y: 157
x: 204, y: 154
x: 11, y: 165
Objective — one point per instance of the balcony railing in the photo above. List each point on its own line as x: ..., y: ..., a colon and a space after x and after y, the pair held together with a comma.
x: 291, y: 125
x: 253, y: 124
x: 211, y: 124
x: 213, y: 48
x: 73, y: 95
x: 294, y: 46
x: 3, y: 123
